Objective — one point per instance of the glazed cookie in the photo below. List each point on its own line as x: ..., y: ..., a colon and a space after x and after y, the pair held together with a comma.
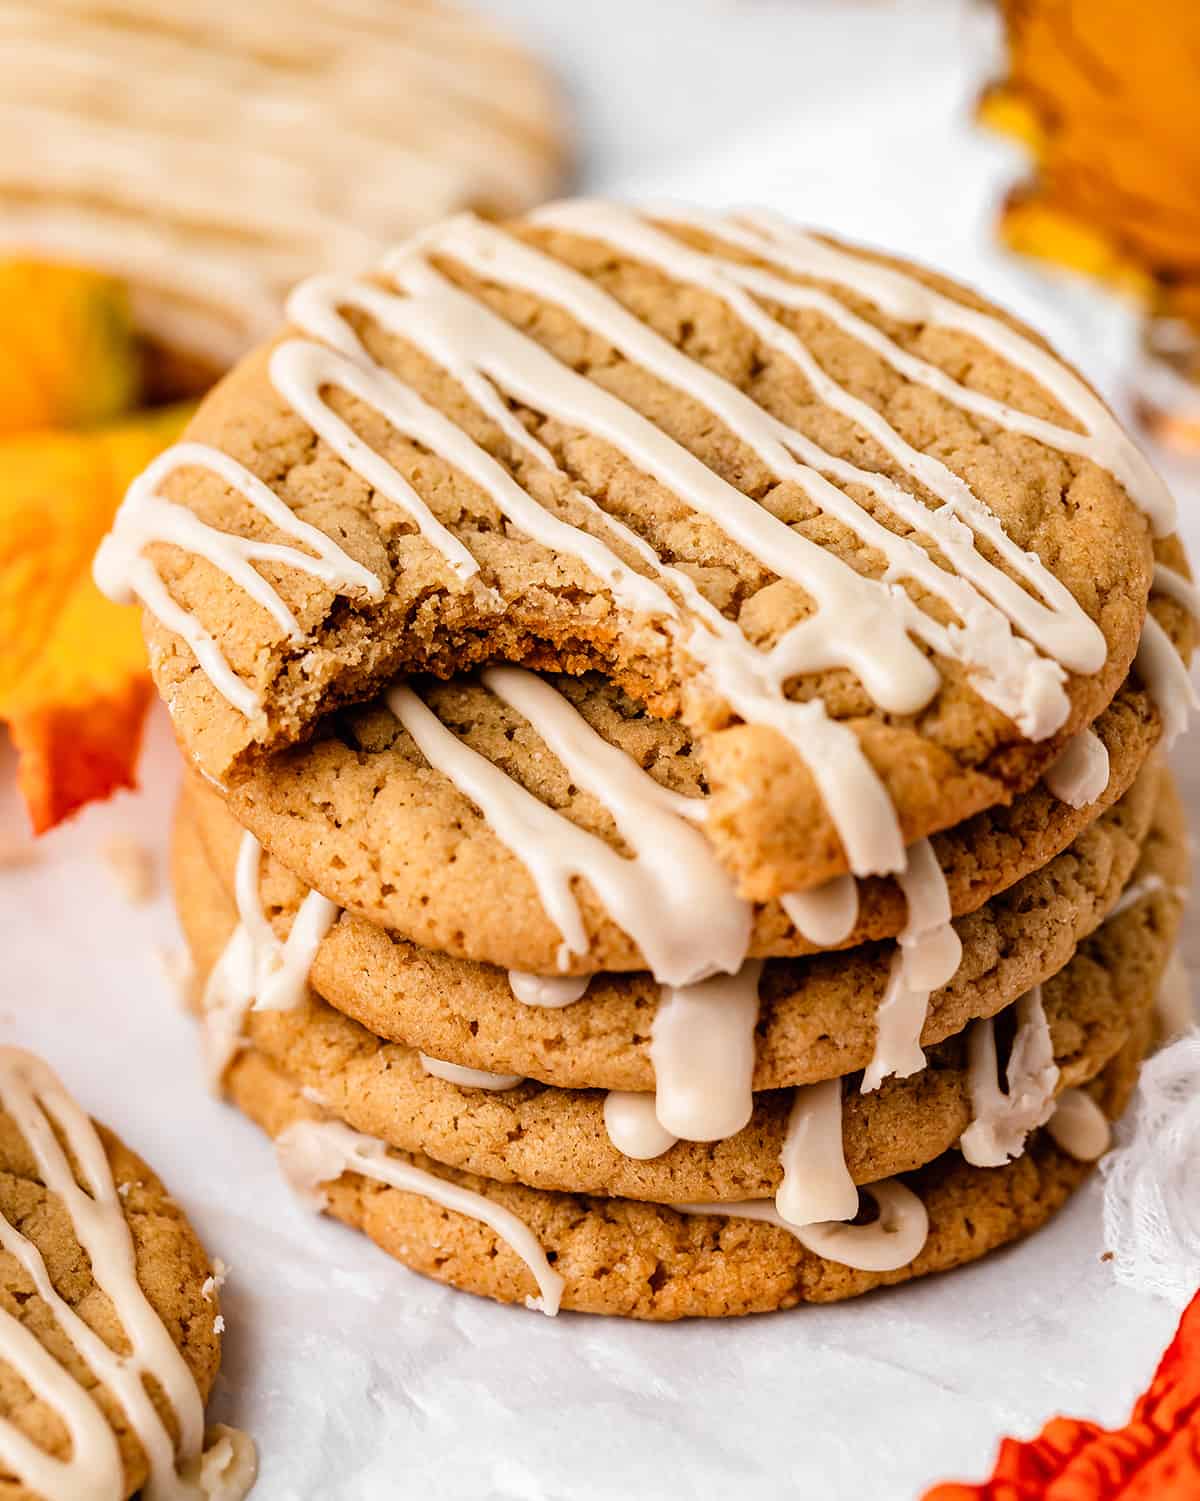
x: 619, y: 1256
x: 404, y: 835
x: 345, y: 127
x: 109, y: 1319
x: 880, y: 551
x: 512, y: 1130
x: 817, y: 1018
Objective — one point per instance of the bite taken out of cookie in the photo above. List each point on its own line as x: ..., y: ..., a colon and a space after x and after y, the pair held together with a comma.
x: 877, y: 547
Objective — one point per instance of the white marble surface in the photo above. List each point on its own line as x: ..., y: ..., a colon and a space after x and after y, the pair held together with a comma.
x: 360, y: 1380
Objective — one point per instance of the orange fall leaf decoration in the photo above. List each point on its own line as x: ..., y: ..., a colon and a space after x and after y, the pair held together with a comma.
x: 69, y: 352
x: 73, y: 680
x: 1155, y: 1457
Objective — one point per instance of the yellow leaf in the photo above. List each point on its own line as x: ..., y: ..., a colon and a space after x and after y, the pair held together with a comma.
x: 69, y: 353
x: 73, y: 680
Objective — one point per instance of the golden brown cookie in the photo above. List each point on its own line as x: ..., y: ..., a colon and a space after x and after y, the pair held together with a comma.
x: 880, y: 550
x: 556, y: 1139
x: 95, y: 1295
x: 818, y: 1015
x: 346, y: 128
x: 360, y: 815
x: 641, y: 1260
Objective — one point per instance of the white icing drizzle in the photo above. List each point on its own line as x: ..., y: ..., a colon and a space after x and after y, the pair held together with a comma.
x: 672, y: 897
x: 441, y: 319
x: 53, y: 1125
x: 702, y: 1049
x: 1079, y: 1126
x: 254, y: 969
x: 891, y: 1241
x: 145, y: 517
x: 1065, y: 629
x: 870, y: 626
x: 315, y: 1152
x: 928, y: 953
x: 227, y: 996
x: 551, y: 991
x: 228, y: 1468
x: 849, y: 624
x: 1080, y: 774
x: 313, y: 306
x: 893, y: 677
x: 1103, y: 441
x: 633, y: 1126
x: 853, y: 794
x: 1167, y: 680
x: 94, y: 1467
x: 280, y: 974
x: 827, y: 914
x: 816, y: 1185
x: 1174, y: 1004
x: 1182, y: 590
x: 476, y: 346
x: 1004, y: 1118
x: 468, y: 1078
x: 300, y: 370
x: 1137, y: 891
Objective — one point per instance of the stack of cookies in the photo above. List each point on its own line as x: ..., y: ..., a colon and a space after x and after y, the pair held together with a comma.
x: 674, y: 823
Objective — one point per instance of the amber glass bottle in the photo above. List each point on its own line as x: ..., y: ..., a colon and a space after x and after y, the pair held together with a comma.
x: 1106, y: 96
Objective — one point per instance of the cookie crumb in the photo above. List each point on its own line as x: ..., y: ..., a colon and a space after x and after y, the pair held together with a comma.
x: 216, y: 1281
x: 1108, y: 1256
x: 132, y: 867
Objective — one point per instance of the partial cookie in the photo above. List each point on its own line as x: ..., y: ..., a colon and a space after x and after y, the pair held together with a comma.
x: 618, y: 1256
x: 818, y: 1015
x: 93, y: 1296
x: 557, y: 1139
x: 349, y: 128
x: 880, y: 550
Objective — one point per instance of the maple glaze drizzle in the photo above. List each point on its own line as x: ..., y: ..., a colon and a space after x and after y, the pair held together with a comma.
x: 1016, y: 631
x: 71, y: 1162
x: 869, y: 625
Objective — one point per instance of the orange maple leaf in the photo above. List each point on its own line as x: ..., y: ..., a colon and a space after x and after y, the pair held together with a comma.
x: 73, y: 679
x: 1155, y: 1457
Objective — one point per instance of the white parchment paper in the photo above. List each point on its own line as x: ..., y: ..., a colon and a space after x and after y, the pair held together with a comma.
x: 361, y: 1380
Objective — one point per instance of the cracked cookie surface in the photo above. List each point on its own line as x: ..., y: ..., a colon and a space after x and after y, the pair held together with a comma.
x: 940, y: 752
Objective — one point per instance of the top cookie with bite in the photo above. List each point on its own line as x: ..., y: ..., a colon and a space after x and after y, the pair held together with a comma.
x: 870, y: 540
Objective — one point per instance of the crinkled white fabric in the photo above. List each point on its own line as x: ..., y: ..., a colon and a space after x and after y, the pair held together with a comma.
x: 1152, y: 1182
